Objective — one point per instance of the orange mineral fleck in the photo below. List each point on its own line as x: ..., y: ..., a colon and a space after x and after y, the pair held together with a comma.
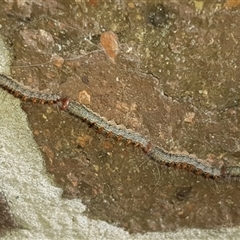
x: 232, y: 3
x: 84, y: 97
x: 109, y: 42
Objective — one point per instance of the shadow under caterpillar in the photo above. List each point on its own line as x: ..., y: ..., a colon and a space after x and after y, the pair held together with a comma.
x: 186, y: 162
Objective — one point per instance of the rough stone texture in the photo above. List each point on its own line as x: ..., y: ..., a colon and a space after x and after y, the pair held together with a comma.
x: 179, y: 109
x: 34, y: 200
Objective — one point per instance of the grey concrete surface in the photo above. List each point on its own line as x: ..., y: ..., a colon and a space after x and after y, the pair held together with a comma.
x: 37, y: 203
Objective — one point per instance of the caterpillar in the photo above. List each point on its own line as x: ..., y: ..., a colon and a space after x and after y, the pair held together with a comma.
x: 108, y: 127
x: 186, y: 162
x: 231, y: 171
x: 25, y: 93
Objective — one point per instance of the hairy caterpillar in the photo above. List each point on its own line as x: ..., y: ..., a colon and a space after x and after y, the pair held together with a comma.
x: 26, y: 93
x: 231, y: 171
x: 186, y: 162
x: 109, y: 127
